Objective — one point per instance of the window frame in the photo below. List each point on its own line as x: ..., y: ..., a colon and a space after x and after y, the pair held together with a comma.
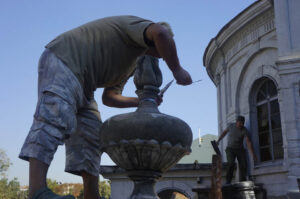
x: 256, y: 88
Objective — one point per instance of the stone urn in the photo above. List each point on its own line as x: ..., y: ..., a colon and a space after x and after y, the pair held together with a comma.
x: 146, y: 143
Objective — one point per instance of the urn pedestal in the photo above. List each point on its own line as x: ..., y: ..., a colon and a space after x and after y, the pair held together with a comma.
x: 146, y: 143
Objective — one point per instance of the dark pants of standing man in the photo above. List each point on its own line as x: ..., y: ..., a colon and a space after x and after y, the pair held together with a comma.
x: 240, y: 154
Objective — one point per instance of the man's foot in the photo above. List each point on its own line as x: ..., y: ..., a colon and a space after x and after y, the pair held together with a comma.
x: 46, y: 193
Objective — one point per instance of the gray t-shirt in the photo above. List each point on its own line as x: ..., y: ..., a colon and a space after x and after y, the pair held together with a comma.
x: 102, y: 53
x: 236, y: 136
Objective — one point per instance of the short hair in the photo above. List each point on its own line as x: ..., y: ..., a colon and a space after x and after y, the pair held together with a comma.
x: 240, y: 118
x: 167, y: 26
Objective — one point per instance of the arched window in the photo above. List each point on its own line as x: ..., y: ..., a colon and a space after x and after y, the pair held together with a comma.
x: 268, y: 121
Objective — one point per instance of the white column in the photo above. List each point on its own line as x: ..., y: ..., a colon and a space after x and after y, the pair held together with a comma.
x: 287, y: 19
x: 220, y: 104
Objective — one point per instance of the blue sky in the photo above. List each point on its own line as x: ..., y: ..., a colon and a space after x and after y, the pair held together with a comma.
x: 26, y: 26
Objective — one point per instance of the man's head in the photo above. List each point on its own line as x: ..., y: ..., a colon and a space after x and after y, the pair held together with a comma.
x: 240, y: 120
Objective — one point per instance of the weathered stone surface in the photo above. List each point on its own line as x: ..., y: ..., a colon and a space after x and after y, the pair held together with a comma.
x: 146, y: 142
x: 147, y: 73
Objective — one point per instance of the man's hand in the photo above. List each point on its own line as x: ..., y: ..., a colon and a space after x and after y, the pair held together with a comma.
x: 222, y: 135
x: 182, y: 77
x: 159, y: 99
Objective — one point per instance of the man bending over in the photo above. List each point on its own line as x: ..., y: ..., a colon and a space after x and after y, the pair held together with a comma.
x: 99, y: 54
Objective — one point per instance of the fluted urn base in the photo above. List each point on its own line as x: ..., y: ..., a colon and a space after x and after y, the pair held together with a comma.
x: 144, y: 182
x: 146, y: 142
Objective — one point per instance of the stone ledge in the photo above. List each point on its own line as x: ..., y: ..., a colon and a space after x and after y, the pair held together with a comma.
x: 269, y: 168
x: 112, y: 169
x: 288, y: 60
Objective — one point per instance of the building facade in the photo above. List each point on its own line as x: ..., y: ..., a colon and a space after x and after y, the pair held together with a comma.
x: 254, y: 61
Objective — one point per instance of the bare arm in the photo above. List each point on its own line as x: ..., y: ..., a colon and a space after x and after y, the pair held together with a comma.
x: 113, y: 99
x: 166, y: 48
x: 223, y: 134
x: 250, y: 147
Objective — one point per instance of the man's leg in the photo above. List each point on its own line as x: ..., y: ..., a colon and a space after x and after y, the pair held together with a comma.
x: 37, y: 175
x: 38, y: 184
x: 54, y: 119
x: 83, y: 151
x: 90, y: 186
x: 59, y: 95
x: 241, y: 157
x: 231, y: 163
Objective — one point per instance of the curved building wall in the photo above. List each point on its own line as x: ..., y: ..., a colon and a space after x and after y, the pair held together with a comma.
x: 253, y: 79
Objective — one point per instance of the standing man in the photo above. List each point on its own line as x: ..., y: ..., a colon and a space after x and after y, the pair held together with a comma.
x: 236, y: 134
x: 99, y: 54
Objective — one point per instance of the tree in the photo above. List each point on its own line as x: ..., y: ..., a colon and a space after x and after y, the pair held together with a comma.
x: 9, y: 189
x: 71, y: 188
x: 54, y: 186
x: 104, y: 189
x: 80, y: 194
x: 4, y: 163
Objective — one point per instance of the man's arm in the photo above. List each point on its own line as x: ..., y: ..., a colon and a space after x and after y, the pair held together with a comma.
x: 250, y: 147
x: 222, y: 135
x: 112, y: 98
x: 166, y: 48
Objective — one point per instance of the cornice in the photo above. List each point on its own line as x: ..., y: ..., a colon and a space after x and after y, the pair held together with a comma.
x: 236, y: 24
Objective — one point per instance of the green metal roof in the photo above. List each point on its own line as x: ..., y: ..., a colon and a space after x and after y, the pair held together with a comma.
x: 202, y: 153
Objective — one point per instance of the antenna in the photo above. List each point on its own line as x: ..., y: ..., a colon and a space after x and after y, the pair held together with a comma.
x: 200, y: 138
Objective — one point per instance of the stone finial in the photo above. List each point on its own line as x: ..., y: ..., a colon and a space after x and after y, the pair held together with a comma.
x: 147, y: 72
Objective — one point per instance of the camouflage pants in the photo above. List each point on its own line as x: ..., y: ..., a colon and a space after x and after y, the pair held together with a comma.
x: 63, y: 115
